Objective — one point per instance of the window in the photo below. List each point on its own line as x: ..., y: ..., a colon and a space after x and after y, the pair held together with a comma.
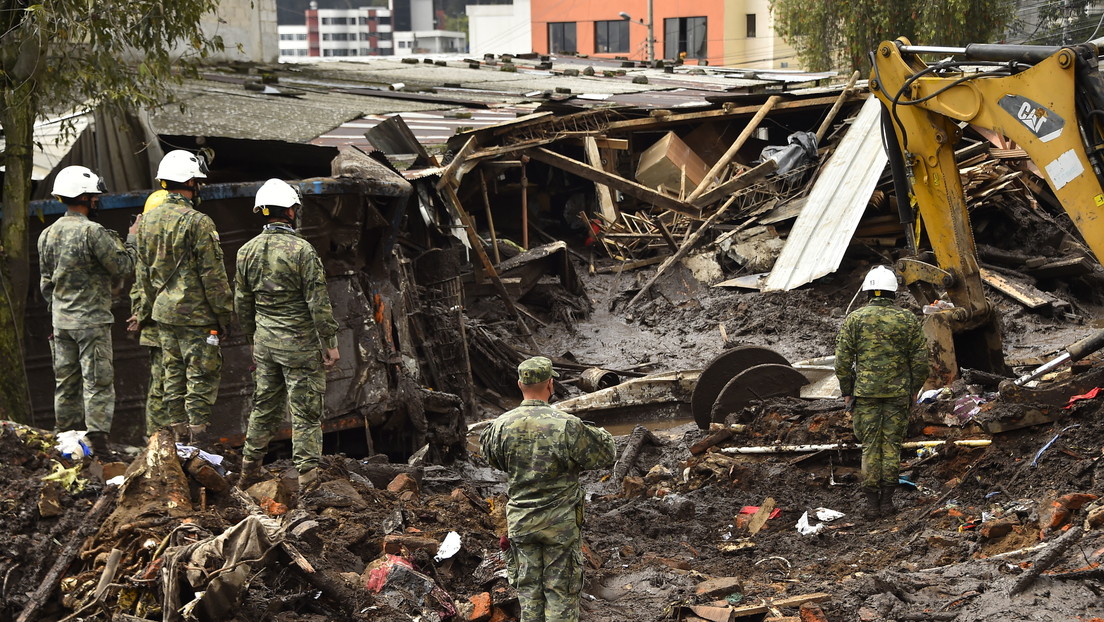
x: 612, y: 36
x: 287, y: 37
x: 685, y: 34
x: 751, y: 25
x: 386, y: 21
x: 338, y: 36
x: 561, y: 38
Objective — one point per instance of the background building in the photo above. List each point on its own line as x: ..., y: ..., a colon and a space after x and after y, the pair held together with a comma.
x: 406, y: 27
x: 715, y: 32
x: 500, y: 28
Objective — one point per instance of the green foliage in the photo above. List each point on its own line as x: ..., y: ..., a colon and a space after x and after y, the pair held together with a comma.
x: 1060, y: 23
x: 839, y: 34
x: 77, y: 52
x: 456, y: 23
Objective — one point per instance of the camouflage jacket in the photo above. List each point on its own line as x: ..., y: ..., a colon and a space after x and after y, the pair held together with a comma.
x: 180, y: 268
x: 280, y: 292
x: 78, y: 259
x: 543, y: 450
x: 881, y: 352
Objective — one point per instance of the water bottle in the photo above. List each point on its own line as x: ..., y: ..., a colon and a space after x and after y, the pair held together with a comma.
x: 213, y: 338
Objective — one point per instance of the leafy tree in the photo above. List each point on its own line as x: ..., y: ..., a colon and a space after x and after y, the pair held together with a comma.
x: 839, y: 34
x: 1068, y: 21
x: 55, y: 56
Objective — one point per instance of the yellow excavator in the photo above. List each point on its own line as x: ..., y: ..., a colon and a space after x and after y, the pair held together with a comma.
x: 1049, y: 100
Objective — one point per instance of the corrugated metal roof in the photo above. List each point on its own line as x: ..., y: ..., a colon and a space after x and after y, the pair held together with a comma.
x: 431, y: 127
x: 835, y: 205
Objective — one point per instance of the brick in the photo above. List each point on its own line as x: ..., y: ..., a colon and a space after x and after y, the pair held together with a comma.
x: 999, y: 528
x: 482, y: 607
x: 812, y: 613
x: 1076, y: 500
x: 719, y: 587
x: 402, y: 483
x: 397, y: 544
x: 632, y: 486
x: 498, y: 615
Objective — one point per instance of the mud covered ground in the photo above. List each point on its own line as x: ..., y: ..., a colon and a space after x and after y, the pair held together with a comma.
x: 951, y: 553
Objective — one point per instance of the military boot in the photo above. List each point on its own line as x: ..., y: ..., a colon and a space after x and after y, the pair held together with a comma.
x: 98, y: 440
x: 180, y: 431
x: 200, y: 437
x: 873, y: 503
x: 251, y: 473
x: 308, y: 481
x: 886, y: 506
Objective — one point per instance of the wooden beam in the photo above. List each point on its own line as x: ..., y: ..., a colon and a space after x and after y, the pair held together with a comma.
x: 682, y: 251
x: 637, y: 124
x: 620, y: 144
x: 477, y: 246
x: 739, y: 182
x: 490, y: 216
x: 824, y: 125
x: 607, y: 208
x: 1022, y: 293
x: 454, y: 165
x: 630, y: 188
x: 729, y: 154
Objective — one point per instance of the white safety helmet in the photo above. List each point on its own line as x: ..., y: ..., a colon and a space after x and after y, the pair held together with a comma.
x: 275, y: 193
x: 880, y: 278
x: 73, y: 181
x: 180, y: 166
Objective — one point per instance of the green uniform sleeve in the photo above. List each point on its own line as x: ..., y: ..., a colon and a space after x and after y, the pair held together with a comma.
x: 212, y: 272
x: 487, y: 443
x: 318, y: 298
x: 46, y: 273
x: 845, y: 359
x: 245, y: 304
x: 918, y: 359
x: 115, y: 257
x: 594, y: 448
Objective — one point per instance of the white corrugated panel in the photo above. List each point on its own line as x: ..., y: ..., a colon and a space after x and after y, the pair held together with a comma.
x: 835, y: 205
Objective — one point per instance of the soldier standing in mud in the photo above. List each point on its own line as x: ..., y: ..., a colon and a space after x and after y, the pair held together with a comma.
x: 186, y: 293
x: 78, y: 260
x: 282, y: 304
x: 148, y: 337
x: 881, y: 364
x: 543, y: 450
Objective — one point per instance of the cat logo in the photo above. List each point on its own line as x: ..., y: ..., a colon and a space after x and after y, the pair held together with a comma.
x: 1043, y: 122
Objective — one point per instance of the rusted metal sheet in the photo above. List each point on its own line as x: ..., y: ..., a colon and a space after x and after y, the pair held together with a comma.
x: 836, y: 202
x: 349, y: 222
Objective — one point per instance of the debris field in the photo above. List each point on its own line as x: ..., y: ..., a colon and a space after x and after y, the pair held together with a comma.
x: 635, y: 248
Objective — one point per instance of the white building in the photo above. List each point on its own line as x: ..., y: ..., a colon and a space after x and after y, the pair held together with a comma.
x: 367, y: 31
x: 500, y: 28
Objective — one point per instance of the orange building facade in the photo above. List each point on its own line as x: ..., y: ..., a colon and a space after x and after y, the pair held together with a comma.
x: 714, y: 32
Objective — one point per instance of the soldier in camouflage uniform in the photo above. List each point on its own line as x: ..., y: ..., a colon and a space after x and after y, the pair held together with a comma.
x: 543, y: 450
x: 185, y: 292
x: 881, y: 364
x: 156, y: 417
x: 282, y: 304
x: 78, y: 260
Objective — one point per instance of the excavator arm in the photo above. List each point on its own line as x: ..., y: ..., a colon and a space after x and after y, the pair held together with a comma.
x: 1049, y: 100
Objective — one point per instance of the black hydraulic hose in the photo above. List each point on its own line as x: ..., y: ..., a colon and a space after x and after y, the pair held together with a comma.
x: 900, y: 179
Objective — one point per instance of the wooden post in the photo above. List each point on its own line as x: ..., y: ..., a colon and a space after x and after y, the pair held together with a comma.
x: 490, y: 217
x: 749, y: 129
x: 607, y: 209
x: 524, y: 207
x: 477, y: 246
x: 824, y: 125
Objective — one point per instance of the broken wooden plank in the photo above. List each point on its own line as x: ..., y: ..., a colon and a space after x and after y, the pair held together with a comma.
x: 620, y: 144
x: 490, y: 217
x: 624, y: 266
x: 1071, y: 266
x: 454, y: 165
x: 477, y: 246
x: 1026, y: 295
x: 650, y: 122
x: 607, y: 207
x: 761, y: 515
x: 616, y: 182
x: 739, y: 182
x: 639, y: 436
x: 682, y: 251
x: 1047, y: 558
x: 824, y: 125
x: 730, y: 153
x: 777, y: 603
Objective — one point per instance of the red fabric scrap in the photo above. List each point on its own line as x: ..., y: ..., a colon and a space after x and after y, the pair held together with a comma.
x: 1084, y: 396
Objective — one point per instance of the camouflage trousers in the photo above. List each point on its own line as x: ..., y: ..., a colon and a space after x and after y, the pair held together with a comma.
x: 880, y: 424
x: 156, y: 415
x: 84, y: 393
x: 546, y: 569
x: 192, y: 369
x: 287, y: 380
